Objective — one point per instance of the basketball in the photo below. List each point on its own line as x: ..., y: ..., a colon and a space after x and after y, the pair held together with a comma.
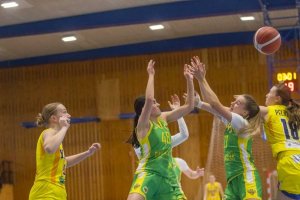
x: 267, y: 40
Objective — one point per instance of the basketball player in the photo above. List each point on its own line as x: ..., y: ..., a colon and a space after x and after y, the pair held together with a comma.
x: 152, y: 134
x: 180, y: 166
x: 51, y: 162
x: 213, y: 190
x: 281, y: 122
x: 242, y: 121
x: 183, y: 134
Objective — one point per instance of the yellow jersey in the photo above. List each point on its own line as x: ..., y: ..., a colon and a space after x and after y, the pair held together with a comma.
x: 280, y: 135
x: 213, y: 191
x: 50, y: 167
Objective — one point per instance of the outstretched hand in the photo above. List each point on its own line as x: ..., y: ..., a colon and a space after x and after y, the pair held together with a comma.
x: 150, y: 67
x: 200, y: 172
x: 175, y: 102
x: 197, y: 68
x: 94, y: 148
x: 187, y: 73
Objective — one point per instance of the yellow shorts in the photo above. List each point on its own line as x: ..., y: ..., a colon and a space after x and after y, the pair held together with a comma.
x: 214, y: 198
x: 288, y: 169
x: 43, y: 190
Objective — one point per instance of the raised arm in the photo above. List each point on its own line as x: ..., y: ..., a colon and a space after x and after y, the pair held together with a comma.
x: 183, y: 130
x: 77, y: 158
x: 186, y: 108
x: 199, y: 71
x: 53, y: 138
x: 143, y: 123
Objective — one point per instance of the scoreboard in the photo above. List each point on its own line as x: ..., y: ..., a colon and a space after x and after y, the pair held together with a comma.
x: 289, y: 78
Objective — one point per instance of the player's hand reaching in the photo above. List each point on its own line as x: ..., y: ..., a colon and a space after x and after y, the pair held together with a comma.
x: 200, y: 172
x: 187, y: 73
x: 94, y: 148
x: 150, y: 67
x: 175, y: 102
x: 197, y: 68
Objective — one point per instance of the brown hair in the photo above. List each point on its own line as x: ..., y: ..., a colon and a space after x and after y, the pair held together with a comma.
x: 254, y: 119
x: 293, y: 108
x: 138, y: 107
x: 48, y: 110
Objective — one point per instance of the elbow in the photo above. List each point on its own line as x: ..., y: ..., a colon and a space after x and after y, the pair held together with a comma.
x: 190, y: 106
x: 186, y: 136
x: 149, y: 99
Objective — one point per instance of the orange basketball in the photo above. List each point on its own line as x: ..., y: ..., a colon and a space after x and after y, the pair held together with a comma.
x: 267, y: 40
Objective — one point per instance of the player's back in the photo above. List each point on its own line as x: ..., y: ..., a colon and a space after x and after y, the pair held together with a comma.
x: 281, y: 135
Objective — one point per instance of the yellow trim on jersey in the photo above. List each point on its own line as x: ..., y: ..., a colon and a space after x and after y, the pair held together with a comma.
x: 55, y: 166
x: 145, y: 139
x: 139, y: 181
x: 145, y: 142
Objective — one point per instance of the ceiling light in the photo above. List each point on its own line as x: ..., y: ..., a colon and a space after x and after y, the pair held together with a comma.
x: 156, y: 27
x: 9, y: 4
x: 69, y: 38
x: 247, y: 18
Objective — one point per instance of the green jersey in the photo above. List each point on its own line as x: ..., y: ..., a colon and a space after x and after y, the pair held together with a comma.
x: 156, y: 151
x: 177, y: 170
x: 238, y: 150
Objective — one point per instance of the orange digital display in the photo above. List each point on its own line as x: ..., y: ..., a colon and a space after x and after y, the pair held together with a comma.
x: 289, y: 78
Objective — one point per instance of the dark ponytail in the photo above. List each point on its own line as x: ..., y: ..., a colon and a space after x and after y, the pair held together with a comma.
x: 138, y: 107
x: 293, y: 113
x: 292, y: 107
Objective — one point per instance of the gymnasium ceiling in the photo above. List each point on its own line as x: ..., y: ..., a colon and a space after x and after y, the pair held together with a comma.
x: 31, y: 33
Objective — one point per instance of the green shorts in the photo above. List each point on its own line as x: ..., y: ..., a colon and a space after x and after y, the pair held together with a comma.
x: 154, y: 187
x: 244, y: 186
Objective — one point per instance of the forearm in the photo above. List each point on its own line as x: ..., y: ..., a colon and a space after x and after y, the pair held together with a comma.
x: 207, y: 107
x: 150, y: 87
x: 194, y: 175
x: 208, y: 94
x: 52, y: 143
x: 77, y: 158
x: 182, y: 135
x: 182, y: 127
x: 190, y: 94
x: 149, y: 97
